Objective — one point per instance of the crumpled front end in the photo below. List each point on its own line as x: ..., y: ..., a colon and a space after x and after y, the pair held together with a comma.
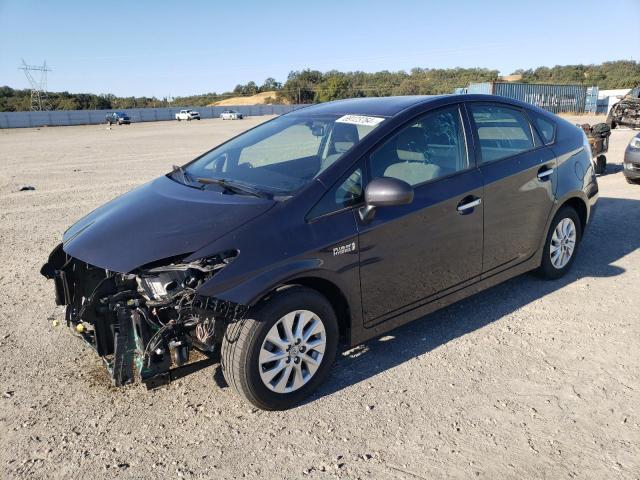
x: 144, y: 324
x: 625, y: 112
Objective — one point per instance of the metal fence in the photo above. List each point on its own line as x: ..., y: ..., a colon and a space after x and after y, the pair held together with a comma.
x: 92, y: 117
x: 554, y: 98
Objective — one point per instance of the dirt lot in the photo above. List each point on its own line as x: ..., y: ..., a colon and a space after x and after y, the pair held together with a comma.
x: 530, y: 379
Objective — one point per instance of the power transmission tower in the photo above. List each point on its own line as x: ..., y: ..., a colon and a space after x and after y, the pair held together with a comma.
x: 39, y: 98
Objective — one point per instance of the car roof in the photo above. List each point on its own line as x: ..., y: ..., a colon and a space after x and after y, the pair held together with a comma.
x: 381, y: 106
x: 391, y: 106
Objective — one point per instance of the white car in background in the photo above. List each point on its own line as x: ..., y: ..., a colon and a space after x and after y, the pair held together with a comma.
x: 187, y: 115
x: 231, y: 115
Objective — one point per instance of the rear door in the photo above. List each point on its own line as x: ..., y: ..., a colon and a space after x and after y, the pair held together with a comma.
x: 519, y: 177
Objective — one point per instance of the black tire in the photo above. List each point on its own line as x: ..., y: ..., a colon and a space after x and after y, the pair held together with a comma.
x: 243, y: 340
x: 547, y: 269
x: 601, y: 164
x: 632, y: 181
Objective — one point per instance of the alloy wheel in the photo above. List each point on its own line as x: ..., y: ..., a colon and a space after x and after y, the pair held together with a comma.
x: 563, y: 243
x: 292, y: 351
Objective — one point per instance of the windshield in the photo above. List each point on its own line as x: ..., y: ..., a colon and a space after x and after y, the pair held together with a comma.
x: 282, y: 155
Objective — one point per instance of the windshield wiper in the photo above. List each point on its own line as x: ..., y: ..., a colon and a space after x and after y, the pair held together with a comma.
x: 232, y: 186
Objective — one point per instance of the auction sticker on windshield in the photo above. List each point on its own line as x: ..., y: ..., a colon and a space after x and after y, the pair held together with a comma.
x: 360, y: 120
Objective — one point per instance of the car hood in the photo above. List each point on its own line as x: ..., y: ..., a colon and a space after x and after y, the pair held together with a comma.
x: 157, y: 220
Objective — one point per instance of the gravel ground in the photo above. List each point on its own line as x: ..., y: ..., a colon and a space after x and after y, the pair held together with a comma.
x: 530, y: 379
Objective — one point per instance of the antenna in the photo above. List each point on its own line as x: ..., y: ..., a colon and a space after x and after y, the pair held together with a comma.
x: 39, y: 97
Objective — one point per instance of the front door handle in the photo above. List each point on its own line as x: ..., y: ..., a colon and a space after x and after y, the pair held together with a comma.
x: 544, y: 173
x: 467, y: 204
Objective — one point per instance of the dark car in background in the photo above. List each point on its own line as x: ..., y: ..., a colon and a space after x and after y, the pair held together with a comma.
x: 118, y: 118
x: 343, y: 219
x: 632, y: 160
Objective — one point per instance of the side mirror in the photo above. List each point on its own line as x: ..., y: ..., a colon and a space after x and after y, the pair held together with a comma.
x: 385, y: 192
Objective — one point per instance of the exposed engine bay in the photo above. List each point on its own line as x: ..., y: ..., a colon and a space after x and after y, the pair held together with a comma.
x: 627, y: 111
x: 144, y: 324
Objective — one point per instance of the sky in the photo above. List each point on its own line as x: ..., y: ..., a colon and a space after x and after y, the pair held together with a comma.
x: 176, y: 48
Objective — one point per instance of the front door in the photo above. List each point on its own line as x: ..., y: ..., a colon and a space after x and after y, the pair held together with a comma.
x: 409, y: 253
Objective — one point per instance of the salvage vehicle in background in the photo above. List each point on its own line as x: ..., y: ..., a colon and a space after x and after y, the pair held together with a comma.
x: 119, y: 118
x: 231, y: 115
x: 347, y: 218
x: 632, y: 160
x: 187, y: 115
x: 627, y: 111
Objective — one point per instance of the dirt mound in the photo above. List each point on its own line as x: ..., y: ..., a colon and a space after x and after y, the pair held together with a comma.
x: 257, y: 99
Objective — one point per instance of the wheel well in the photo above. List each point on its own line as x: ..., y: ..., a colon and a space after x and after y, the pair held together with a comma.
x: 581, y: 209
x: 333, y: 295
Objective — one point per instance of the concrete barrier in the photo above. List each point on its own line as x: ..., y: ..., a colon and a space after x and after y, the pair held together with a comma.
x: 93, y: 117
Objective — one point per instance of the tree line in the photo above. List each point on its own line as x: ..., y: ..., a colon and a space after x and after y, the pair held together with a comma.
x: 312, y: 86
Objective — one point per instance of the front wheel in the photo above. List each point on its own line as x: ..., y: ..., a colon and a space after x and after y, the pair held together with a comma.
x: 284, y: 349
x: 561, y: 245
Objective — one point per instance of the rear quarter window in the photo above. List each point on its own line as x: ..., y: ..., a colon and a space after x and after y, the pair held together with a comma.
x: 545, y: 127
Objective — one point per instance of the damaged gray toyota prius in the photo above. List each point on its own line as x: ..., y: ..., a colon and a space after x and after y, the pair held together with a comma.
x: 344, y: 219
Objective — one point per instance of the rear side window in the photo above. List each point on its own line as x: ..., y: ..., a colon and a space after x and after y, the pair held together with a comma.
x: 546, y: 128
x: 502, y: 131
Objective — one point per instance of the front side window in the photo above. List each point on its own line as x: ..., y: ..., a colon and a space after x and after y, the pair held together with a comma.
x: 432, y: 147
x: 281, y: 156
x: 502, y: 131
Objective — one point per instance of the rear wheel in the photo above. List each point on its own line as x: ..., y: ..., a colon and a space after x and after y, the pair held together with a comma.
x: 284, y: 349
x: 561, y: 245
x: 632, y: 181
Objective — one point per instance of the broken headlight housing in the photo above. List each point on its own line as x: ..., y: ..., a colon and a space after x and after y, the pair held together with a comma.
x: 162, y: 283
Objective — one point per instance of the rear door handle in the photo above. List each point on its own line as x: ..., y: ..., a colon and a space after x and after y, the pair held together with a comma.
x: 468, y: 203
x: 544, y: 173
